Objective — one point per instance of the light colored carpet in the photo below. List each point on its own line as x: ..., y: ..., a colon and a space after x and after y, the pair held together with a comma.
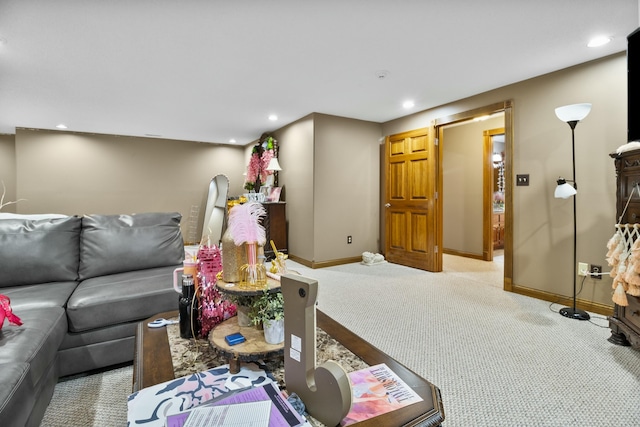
x: 499, y: 359
x: 98, y: 400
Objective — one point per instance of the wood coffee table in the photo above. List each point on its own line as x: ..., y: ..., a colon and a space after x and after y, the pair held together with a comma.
x: 152, y: 365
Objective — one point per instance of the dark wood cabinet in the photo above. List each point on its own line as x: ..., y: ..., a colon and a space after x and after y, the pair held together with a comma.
x: 275, y: 225
x: 625, y: 321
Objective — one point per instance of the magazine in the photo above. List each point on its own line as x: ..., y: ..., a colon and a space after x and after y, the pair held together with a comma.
x: 377, y: 390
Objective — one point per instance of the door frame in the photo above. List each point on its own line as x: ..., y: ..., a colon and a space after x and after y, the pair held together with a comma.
x: 507, y: 108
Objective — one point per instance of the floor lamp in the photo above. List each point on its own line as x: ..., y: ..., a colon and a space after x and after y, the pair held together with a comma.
x: 572, y: 114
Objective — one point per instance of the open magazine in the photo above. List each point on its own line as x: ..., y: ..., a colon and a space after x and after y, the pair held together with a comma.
x: 377, y: 390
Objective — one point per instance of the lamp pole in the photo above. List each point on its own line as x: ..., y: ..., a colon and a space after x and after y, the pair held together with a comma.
x: 573, y: 312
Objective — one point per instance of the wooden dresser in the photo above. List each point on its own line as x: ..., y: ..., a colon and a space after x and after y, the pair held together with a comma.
x: 625, y: 321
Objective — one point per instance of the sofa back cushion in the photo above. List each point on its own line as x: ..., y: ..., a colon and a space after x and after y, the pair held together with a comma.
x: 34, y: 251
x: 113, y: 244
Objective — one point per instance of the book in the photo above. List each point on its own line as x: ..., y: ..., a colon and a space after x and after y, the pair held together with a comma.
x: 282, y: 413
x: 376, y: 391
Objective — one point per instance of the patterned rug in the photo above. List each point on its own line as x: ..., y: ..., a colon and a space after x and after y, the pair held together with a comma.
x: 196, y: 355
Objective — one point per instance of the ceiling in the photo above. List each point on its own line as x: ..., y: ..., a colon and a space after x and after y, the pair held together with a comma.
x: 212, y: 71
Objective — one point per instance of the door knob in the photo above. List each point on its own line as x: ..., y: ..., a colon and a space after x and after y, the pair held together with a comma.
x: 387, y: 205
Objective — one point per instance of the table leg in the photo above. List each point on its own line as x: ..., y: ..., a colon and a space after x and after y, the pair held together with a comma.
x: 234, y: 365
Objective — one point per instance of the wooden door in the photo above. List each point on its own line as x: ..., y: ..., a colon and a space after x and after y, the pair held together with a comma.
x: 410, y: 200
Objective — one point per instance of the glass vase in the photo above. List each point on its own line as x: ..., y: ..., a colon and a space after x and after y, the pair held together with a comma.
x: 253, y: 274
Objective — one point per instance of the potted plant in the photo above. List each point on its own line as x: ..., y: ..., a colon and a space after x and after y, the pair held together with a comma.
x: 244, y: 306
x: 268, y: 310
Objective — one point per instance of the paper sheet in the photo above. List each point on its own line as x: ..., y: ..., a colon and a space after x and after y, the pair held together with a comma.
x: 238, y: 415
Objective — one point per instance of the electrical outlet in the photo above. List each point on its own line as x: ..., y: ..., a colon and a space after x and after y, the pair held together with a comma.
x: 596, y: 272
x: 583, y: 269
x: 349, y: 240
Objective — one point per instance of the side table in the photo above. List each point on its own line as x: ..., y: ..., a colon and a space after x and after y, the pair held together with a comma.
x: 253, y: 349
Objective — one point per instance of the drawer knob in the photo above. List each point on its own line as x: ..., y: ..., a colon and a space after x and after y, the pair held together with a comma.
x: 635, y: 313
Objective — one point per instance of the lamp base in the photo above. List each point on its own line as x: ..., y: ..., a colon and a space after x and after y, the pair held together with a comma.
x: 574, y: 313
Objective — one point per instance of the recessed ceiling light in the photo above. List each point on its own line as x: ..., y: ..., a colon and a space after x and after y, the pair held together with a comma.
x: 61, y: 126
x: 598, y: 41
x: 408, y: 104
x: 273, y: 117
x: 232, y: 141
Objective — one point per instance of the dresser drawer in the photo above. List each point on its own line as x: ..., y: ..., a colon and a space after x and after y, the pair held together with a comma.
x: 627, y: 182
x: 632, y: 215
x: 632, y: 312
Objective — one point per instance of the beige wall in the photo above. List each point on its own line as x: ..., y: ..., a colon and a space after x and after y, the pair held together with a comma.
x: 543, y: 227
x: 346, y: 183
x: 331, y: 170
x: 330, y: 177
x: 74, y: 173
x: 462, y: 185
x: 295, y: 143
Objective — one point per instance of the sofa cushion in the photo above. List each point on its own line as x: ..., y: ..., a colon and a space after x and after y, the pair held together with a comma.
x: 99, y: 335
x: 36, y: 342
x: 113, y: 244
x: 41, y: 295
x: 17, y: 395
x: 39, y: 251
x: 123, y: 297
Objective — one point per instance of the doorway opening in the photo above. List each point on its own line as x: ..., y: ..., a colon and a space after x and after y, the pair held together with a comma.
x: 476, y: 192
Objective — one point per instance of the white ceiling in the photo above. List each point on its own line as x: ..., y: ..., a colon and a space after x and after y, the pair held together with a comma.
x: 214, y: 70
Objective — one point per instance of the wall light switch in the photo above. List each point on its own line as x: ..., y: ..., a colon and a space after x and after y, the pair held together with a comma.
x: 522, y: 179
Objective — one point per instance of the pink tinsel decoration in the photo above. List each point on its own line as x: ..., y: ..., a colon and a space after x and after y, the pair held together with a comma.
x: 214, y: 308
x: 244, y: 223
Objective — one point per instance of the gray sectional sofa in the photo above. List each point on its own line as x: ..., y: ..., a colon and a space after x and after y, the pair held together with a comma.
x: 80, y: 286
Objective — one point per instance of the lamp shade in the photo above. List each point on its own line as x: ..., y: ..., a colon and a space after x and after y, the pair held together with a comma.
x: 274, y: 165
x: 564, y: 190
x: 573, y: 112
